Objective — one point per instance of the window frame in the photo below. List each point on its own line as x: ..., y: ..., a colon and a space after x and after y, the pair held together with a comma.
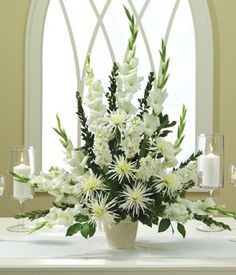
x: 33, y: 71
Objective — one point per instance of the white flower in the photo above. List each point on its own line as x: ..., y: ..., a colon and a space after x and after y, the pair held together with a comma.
x: 66, y: 217
x: 177, y: 212
x: 136, y: 198
x: 121, y: 168
x: 166, y: 149
x: 76, y: 158
x: 132, y: 83
x: 168, y: 183
x: 89, y: 184
x: 151, y: 123
x: 116, y: 119
x: 101, y: 211
x: 102, y: 152
x: 148, y: 167
x: 53, y: 215
x: 188, y: 173
x: 156, y: 99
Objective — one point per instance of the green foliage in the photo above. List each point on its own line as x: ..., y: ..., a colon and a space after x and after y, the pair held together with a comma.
x: 143, y: 104
x: 73, y: 229
x: 111, y: 98
x: 65, y: 141
x: 164, y: 225
x: 86, y: 229
x: 87, y: 136
x: 210, y: 221
x: 163, y: 78
x: 164, y: 124
x: 144, y: 219
x: 19, y: 178
x: 181, y: 229
x: 81, y: 218
x: 182, y: 123
x: 193, y: 157
x: 38, y: 226
x: 33, y: 215
x: 133, y: 30
x: 63, y: 205
x: 144, y: 147
x: 222, y: 211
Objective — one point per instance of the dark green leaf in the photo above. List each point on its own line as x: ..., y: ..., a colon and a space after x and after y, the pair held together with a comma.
x: 85, y: 230
x: 81, y: 218
x: 163, y: 225
x: 181, y: 229
x: 73, y: 229
x: 92, y: 229
x: 145, y: 220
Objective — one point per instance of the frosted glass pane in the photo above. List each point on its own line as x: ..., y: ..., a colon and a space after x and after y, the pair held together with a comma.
x: 83, y: 21
x: 181, y: 86
x: 59, y: 76
x: 59, y: 86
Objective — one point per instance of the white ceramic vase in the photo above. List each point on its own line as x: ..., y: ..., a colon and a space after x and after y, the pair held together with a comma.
x: 122, y: 235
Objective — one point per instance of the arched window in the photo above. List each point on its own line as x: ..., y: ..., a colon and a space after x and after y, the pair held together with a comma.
x: 59, y: 35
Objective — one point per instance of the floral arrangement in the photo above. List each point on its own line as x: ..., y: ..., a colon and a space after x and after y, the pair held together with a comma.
x: 125, y: 167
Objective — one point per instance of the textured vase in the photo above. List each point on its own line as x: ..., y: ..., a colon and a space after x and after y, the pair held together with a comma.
x: 122, y: 235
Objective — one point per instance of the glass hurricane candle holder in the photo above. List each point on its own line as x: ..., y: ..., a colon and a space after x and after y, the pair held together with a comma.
x: 211, y: 167
x: 22, y: 164
x: 2, y: 188
x: 232, y: 174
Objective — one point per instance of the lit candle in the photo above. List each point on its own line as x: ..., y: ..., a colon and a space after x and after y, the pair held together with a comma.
x: 211, y: 170
x: 21, y: 190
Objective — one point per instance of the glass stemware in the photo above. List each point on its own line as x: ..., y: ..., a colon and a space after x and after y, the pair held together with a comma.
x: 210, y: 168
x: 233, y: 182
x: 22, y: 163
x: 2, y: 188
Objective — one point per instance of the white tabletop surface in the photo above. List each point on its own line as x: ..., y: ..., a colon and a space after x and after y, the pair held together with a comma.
x: 50, y: 249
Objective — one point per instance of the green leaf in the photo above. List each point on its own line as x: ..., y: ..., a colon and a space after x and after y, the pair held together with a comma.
x: 73, y: 229
x: 145, y: 220
x: 164, y: 225
x: 19, y: 178
x: 181, y: 229
x: 85, y: 230
x: 81, y: 218
x: 37, y: 227
x: 92, y: 229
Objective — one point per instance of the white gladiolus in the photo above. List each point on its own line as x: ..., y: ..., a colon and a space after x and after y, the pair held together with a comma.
x: 150, y: 124
x: 156, y: 100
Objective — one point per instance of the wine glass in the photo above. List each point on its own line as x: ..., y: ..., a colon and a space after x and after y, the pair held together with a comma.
x: 2, y: 188
x: 22, y: 164
x: 2, y: 185
x: 233, y: 182
x: 210, y: 168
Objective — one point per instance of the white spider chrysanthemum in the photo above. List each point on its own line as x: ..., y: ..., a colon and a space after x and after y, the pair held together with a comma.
x: 121, y: 168
x: 116, y: 119
x: 89, y: 184
x: 101, y: 211
x: 169, y: 183
x: 136, y: 198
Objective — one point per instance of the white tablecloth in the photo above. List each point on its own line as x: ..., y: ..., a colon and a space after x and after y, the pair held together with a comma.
x: 51, y: 249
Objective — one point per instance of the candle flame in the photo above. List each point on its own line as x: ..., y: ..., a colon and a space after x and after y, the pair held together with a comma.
x: 211, y: 148
x: 21, y: 158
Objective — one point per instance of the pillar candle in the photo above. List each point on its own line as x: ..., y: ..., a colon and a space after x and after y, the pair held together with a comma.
x: 21, y: 191
x: 211, y: 170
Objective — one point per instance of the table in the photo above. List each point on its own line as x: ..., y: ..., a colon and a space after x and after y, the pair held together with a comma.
x: 50, y: 252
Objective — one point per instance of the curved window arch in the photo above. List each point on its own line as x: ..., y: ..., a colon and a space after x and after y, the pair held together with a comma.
x: 38, y: 56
